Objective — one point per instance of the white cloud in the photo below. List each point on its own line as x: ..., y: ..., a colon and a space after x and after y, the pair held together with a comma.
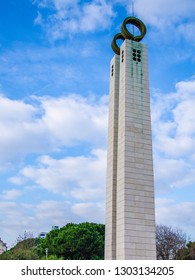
x: 18, y: 110
x: 160, y: 14
x: 72, y: 177
x: 21, y: 131
x: 172, y: 173
x: 52, y: 210
x: 173, y: 120
x: 50, y: 124
x: 11, y: 210
x: 34, y: 218
x: 169, y: 22
x: 173, y: 123
x: 93, y: 212
x: 17, y: 218
x: 186, y: 88
x: 180, y: 215
x: 187, y: 31
x: 38, y: 20
x: 74, y: 118
x: 46, y: 125
x: 71, y: 17
x: 96, y: 15
x: 11, y: 194
x: 163, y: 13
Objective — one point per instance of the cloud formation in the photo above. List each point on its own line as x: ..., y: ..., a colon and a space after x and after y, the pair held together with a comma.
x: 46, y: 128
x: 34, y: 218
x: 169, y: 212
x: 53, y: 149
x: 50, y: 124
x: 163, y: 13
x: 165, y: 21
x: 70, y: 17
x: 71, y: 177
x: 11, y: 194
x: 173, y: 122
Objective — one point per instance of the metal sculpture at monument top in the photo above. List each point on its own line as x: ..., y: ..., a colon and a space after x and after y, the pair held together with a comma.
x: 125, y: 34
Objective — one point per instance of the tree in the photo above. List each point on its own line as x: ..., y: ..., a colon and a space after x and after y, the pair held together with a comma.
x: 83, y: 241
x: 187, y: 253
x: 26, y: 235
x: 23, y: 250
x: 168, y: 241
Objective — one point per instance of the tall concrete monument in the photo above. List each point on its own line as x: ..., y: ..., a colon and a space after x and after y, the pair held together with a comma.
x: 130, y: 215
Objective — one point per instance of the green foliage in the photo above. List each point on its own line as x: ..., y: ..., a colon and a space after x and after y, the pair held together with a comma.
x: 52, y: 257
x: 26, y: 235
x: 24, y: 250
x: 83, y: 241
x: 187, y: 253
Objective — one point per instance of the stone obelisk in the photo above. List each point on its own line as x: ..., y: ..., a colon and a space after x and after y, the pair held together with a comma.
x: 130, y: 214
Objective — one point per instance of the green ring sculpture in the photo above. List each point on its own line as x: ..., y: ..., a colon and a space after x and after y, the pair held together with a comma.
x: 125, y: 34
x: 138, y: 23
x: 114, y: 45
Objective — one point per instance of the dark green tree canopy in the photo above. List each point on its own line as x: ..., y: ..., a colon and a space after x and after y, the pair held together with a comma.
x: 187, y: 253
x: 83, y: 241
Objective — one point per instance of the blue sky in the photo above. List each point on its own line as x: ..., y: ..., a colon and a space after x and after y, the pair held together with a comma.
x: 54, y: 86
